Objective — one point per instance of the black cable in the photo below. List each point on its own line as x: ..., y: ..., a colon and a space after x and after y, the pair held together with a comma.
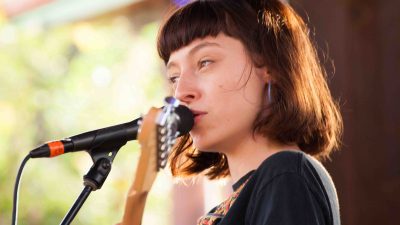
x: 16, y: 190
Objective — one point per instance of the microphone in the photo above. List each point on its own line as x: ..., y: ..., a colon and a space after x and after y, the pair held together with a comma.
x: 116, y: 135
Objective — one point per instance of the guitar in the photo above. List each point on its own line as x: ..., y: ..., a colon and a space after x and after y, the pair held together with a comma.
x: 158, y: 131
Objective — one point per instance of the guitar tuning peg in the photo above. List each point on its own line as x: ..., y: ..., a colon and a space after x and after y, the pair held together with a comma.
x: 162, y: 139
x: 140, y: 121
x: 163, y: 155
x: 162, y: 164
x: 172, y: 101
x: 177, y: 134
x: 170, y: 140
x: 173, y: 141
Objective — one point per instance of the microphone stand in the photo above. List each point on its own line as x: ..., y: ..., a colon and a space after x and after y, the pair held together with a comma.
x: 94, y: 179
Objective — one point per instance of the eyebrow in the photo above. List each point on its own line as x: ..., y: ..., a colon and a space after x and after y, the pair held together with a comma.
x: 195, y: 49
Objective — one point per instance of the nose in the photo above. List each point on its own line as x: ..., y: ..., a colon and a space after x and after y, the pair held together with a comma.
x: 186, y: 89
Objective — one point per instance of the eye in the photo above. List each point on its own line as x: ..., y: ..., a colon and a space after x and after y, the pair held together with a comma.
x: 173, y: 79
x: 204, y: 63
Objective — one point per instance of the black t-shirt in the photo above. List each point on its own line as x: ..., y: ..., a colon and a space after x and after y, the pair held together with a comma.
x: 286, y: 189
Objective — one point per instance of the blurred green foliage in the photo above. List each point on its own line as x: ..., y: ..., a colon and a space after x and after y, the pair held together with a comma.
x: 62, y: 81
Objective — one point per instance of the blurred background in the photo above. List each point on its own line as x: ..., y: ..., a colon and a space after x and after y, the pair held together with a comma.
x: 71, y: 66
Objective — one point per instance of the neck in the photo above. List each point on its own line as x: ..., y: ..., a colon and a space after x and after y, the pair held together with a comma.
x: 249, y: 154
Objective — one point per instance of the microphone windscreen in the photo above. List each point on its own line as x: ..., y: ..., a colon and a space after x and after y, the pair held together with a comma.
x: 186, y: 118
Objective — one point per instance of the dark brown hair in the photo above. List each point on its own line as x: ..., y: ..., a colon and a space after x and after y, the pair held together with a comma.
x: 302, y: 110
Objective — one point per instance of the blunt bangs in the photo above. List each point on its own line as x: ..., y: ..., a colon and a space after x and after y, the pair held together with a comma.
x: 196, y: 20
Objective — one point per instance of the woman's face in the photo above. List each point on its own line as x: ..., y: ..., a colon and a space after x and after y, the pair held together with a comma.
x: 217, y: 80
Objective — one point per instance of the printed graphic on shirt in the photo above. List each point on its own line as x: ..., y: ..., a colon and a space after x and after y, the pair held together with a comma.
x: 218, y: 213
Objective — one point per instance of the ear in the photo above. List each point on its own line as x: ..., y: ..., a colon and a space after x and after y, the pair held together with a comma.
x: 265, y: 74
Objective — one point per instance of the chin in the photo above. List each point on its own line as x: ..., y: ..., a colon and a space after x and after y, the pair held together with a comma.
x: 202, y: 147
x: 206, y: 143
x: 205, y: 148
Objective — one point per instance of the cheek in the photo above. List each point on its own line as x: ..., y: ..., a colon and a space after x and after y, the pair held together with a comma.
x: 239, y: 82
x: 228, y: 85
x: 230, y: 76
x: 254, y: 93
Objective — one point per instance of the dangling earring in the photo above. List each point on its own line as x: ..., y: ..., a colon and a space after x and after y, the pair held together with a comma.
x: 269, y: 92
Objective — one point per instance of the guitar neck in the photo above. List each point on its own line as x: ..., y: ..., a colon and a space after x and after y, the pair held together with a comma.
x: 146, y: 171
x: 134, y: 208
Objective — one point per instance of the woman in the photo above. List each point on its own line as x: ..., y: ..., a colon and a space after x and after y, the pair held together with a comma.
x: 263, y: 111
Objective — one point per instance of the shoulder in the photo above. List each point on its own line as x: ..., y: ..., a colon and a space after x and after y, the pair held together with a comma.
x: 296, y: 165
x: 282, y: 163
x: 297, y: 179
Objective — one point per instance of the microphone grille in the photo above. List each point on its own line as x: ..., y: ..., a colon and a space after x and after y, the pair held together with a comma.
x: 186, y: 118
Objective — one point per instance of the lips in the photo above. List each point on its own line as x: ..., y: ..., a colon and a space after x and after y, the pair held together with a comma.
x: 198, y: 115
